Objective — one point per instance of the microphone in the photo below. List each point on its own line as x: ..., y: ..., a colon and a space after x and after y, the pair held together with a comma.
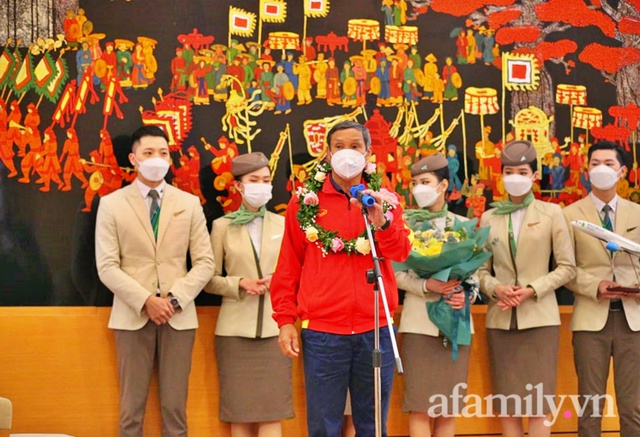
x: 366, y: 199
x: 614, y: 242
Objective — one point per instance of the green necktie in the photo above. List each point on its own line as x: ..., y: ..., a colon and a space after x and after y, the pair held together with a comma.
x: 243, y: 216
x: 606, y: 223
x: 507, y: 206
x: 154, y: 212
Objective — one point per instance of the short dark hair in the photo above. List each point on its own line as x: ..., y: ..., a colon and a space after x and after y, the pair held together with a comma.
x: 442, y: 174
x: 351, y: 125
x: 609, y: 145
x: 533, y: 165
x: 147, y: 131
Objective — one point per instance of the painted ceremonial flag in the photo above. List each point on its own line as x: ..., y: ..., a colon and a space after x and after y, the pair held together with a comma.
x: 273, y: 11
x: 241, y: 22
x: 7, y: 63
x: 43, y: 73
x: 316, y: 8
x: 60, y: 77
x: 520, y: 72
x: 23, y: 80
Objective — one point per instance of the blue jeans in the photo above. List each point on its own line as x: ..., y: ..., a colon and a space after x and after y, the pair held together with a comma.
x: 334, y: 363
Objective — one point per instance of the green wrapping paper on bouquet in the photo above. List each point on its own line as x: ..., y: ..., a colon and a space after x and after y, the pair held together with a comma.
x: 455, y: 253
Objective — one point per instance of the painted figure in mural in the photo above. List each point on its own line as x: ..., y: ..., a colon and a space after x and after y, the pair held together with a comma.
x: 50, y: 169
x: 266, y: 82
x: 83, y: 60
x: 396, y: 78
x: 71, y: 29
x: 471, y: 47
x: 72, y: 166
x: 461, y: 47
x: 280, y: 79
x: 575, y: 162
x: 360, y: 75
x: 417, y: 58
x: 220, y: 93
x: 382, y: 73
x: 220, y: 53
x: 303, y: 71
x: 6, y: 148
x: 200, y: 77
x: 438, y: 89
x: 31, y: 134
x: 125, y: 63
x: 349, y: 85
x: 387, y: 8
x: 488, y: 51
x: 334, y: 92
x: 288, y: 62
x: 476, y: 203
x: 450, y: 91
x: 401, y: 53
x: 320, y: 76
x: 111, y: 61
x: 430, y: 72
x: 422, y: 346
x: 484, y: 151
x: 181, y: 174
x: 410, y: 84
x: 454, y: 167
x: 107, y: 154
x: 468, y: 189
x: 139, y: 69
x: 33, y: 159
x: 178, y: 72
x: 193, y: 173
x: 480, y: 35
x: 236, y: 70
x: 248, y: 70
x: 557, y: 172
x: 14, y: 128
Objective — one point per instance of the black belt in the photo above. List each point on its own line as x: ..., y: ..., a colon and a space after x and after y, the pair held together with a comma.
x: 615, y: 305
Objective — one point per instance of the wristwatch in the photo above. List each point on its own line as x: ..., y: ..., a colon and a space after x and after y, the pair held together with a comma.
x: 386, y: 225
x: 175, y: 303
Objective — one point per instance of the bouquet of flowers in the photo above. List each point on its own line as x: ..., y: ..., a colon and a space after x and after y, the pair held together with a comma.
x: 455, y: 253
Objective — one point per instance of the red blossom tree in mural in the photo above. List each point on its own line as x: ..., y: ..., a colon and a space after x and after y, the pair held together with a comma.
x: 619, y: 62
x: 525, y: 27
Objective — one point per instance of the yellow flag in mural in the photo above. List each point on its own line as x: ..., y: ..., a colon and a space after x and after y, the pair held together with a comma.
x: 273, y: 11
x: 520, y: 72
x: 316, y: 8
x: 241, y: 22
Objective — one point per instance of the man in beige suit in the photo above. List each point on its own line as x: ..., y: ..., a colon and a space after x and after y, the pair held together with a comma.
x: 143, y: 234
x: 606, y: 323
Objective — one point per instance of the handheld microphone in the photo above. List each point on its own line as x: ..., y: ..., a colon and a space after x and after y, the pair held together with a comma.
x: 366, y: 199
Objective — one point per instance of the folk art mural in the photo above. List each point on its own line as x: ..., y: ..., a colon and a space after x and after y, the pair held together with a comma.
x: 223, y: 78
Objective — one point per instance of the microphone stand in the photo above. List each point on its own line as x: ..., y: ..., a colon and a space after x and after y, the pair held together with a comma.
x: 374, y: 277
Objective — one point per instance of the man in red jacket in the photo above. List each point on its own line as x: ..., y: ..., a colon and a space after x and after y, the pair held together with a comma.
x: 321, y: 279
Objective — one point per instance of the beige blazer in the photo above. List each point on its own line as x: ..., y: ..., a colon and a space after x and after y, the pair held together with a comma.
x: 543, y: 234
x: 595, y: 264
x: 133, y: 265
x: 235, y: 260
x: 414, y: 318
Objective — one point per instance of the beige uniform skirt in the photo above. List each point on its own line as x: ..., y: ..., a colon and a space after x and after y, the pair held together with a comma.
x: 431, y: 375
x: 523, y: 363
x: 255, y: 380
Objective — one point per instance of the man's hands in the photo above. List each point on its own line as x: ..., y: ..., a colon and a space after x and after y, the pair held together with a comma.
x: 288, y: 340
x: 374, y: 213
x: 159, y: 309
x: 256, y: 286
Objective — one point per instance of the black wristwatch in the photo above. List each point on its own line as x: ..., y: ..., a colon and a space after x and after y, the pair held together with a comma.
x: 175, y: 303
x: 385, y: 226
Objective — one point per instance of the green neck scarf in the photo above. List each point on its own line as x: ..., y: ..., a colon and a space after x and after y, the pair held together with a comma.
x: 243, y: 216
x: 507, y: 206
x: 422, y: 215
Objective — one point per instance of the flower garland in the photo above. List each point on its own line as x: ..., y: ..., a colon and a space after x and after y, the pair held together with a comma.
x: 329, y: 241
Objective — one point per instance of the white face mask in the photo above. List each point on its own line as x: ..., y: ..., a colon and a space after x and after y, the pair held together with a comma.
x: 425, y: 195
x: 517, y: 185
x: 348, y: 163
x: 153, y: 169
x: 257, y: 195
x: 603, y: 177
